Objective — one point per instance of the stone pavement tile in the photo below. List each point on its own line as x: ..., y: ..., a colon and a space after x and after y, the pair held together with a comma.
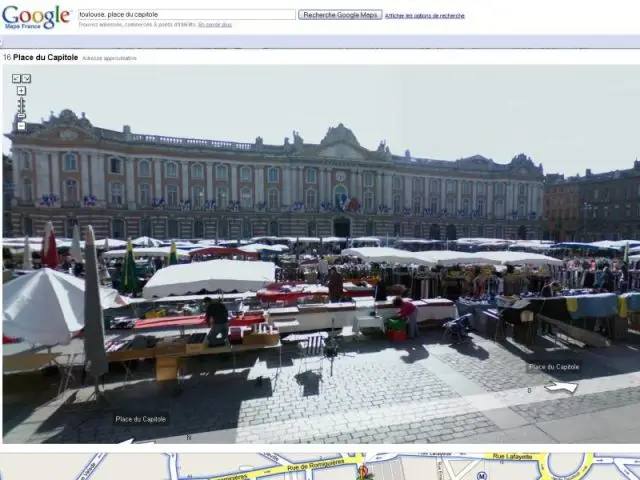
x: 593, y: 426
x: 528, y: 434
x: 583, y: 404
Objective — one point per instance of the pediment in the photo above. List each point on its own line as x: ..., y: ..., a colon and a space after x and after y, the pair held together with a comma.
x: 341, y: 150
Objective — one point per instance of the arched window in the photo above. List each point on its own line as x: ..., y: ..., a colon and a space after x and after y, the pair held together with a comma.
x: 25, y: 161
x: 71, y: 191
x: 417, y: 205
x: 144, y: 168
x: 521, y: 190
x: 417, y: 184
x: 417, y: 230
x: 499, y: 209
x: 173, y: 228
x: 522, y: 209
x: 397, y: 229
x: 198, y: 229
x: 116, y: 193
x: 246, y: 198
x: 117, y: 228
x: 273, y: 175
x: 69, y: 226
x: 340, y: 195
x: 434, y: 205
x: 273, y: 228
x: 172, y: 195
x: 222, y: 197
x: 434, y: 186
x: 480, y: 208
x: 196, y: 172
x: 397, y: 182
x: 397, y: 204
x: 115, y: 166
x: 145, y: 195
x: 245, y: 174
x: 70, y: 162
x: 197, y: 196
x: 171, y: 170
x: 222, y: 173
x: 27, y: 190
x: 310, y: 201
x: 465, y: 206
x: 273, y: 200
x: 451, y: 206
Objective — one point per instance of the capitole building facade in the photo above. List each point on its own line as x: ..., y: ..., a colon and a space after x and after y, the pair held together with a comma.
x: 126, y: 185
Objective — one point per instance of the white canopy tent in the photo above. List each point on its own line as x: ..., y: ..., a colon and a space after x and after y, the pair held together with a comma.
x: 146, y: 242
x: 47, y: 307
x: 258, y: 247
x: 520, y: 258
x: 448, y: 258
x: 387, y: 255
x: 211, y: 276
x: 145, y: 252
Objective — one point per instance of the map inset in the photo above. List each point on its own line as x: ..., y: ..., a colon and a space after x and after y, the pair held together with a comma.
x: 339, y: 466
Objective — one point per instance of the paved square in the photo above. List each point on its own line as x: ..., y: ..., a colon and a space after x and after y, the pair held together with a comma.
x: 422, y: 392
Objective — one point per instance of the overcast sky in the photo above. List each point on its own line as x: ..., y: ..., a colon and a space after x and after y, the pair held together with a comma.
x: 568, y: 118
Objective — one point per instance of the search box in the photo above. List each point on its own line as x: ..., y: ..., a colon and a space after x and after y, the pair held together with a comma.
x: 123, y: 15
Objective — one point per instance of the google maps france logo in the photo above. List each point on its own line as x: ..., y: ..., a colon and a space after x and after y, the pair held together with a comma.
x: 14, y: 18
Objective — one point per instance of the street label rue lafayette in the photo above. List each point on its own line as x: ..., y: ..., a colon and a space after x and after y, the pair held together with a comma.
x: 512, y: 456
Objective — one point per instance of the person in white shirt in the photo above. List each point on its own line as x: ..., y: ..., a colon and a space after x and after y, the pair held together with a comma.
x: 323, y: 270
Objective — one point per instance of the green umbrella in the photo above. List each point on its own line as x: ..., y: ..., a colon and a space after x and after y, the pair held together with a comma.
x: 173, y: 254
x: 129, y: 281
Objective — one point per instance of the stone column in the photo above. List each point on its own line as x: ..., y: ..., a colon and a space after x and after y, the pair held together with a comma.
x: 158, y: 175
x: 85, y: 188
x: 321, y: 186
x: 359, y: 186
x: 55, y: 176
x: 185, y: 194
x: 474, y: 196
x: 129, y: 172
x: 327, y: 184
x: 352, y: 183
x: 443, y: 193
x: 388, y: 191
x: 17, y: 178
x: 300, y: 185
x: 408, y: 191
x: 43, y: 176
x: 286, y: 184
x: 489, y: 203
x: 509, y: 201
x: 234, y: 182
x: 209, y: 192
x: 378, y: 198
x: 459, y: 196
x: 259, y: 183
x: 98, y: 183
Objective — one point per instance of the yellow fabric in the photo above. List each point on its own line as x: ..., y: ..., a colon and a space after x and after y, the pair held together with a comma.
x: 623, y: 311
x: 572, y: 304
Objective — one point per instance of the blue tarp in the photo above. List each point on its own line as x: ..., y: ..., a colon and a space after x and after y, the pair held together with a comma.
x: 597, y: 306
x: 577, y: 245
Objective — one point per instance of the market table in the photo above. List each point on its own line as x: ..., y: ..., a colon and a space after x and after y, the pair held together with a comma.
x: 169, y: 366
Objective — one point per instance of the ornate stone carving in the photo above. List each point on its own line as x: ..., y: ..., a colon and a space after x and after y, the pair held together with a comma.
x: 297, y: 139
x: 68, y: 135
x: 341, y: 176
x: 340, y: 134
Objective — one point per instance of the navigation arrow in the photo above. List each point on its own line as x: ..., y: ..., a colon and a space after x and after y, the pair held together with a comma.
x: 132, y: 440
x: 559, y: 386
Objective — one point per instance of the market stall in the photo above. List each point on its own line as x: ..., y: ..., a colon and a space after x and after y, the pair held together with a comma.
x: 210, y: 276
x: 150, y: 252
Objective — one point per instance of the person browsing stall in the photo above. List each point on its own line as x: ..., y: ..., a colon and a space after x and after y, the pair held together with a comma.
x: 323, y: 269
x: 409, y: 312
x: 336, y: 286
x: 217, y: 318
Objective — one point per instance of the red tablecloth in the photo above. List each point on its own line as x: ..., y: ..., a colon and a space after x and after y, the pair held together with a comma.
x: 196, y: 321
x: 9, y: 340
